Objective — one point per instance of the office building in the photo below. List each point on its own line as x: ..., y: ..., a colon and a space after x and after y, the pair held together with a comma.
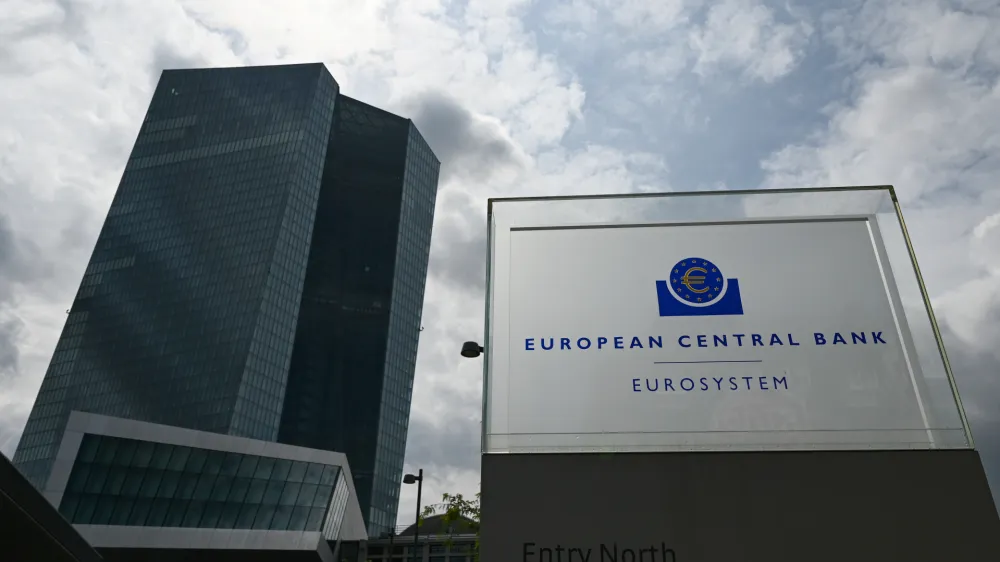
x: 140, y: 491
x: 260, y: 274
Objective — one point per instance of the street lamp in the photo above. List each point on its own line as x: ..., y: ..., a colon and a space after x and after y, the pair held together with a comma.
x: 417, y: 479
x: 471, y: 349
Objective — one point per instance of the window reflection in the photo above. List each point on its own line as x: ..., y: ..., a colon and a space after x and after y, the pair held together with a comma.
x: 198, y: 488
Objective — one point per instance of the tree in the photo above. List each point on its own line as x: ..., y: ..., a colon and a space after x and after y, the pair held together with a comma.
x: 456, y: 509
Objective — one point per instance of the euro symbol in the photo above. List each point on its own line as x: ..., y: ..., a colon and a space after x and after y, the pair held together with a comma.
x: 689, y: 280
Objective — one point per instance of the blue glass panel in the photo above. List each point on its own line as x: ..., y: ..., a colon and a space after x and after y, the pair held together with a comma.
x: 213, y: 510
x: 139, y: 512
x: 85, y: 510
x: 282, y: 515
x: 175, y: 513
x: 203, y: 490
x: 213, y: 464
x: 68, y: 505
x: 239, y: 490
x: 290, y: 493
x: 256, y: 492
x: 160, y: 455
x: 273, y: 492
x: 247, y: 513
x: 264, y: 517
x: 123, y: 508
x: 126, y: 450
x: 186, y: 486
x: 78, y: 478
x: 106, y: 453
x: 248, y: 466
x: 115, y: 480
x: 300, y: 516
x: 264, y: 468
x: 150, y: 483
x: 178, y: 458
x: 281, y: 469
x: 314, y: 473
x: 158, y: 512
x: 230, y: 512
x: 315, y: 520
x: 192, y: 516
x: 168, y: 486
x: 88, y: 448
x: 98, y: 476
x: 306, y: 495
x: 133, y: 482
x: 322, y: 498
x: 231, y: 464
x: 147, y: 453
x: 329, y: 475
x: 102, y: 514
x: 298, y: 471
x: 196, y: 461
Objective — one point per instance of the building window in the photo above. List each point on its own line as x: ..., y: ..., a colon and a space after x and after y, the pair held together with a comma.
x: 118, y: 481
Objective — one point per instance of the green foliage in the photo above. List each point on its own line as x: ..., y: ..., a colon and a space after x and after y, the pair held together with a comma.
x: 456, y: 510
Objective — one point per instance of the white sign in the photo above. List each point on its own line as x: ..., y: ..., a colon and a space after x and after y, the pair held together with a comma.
x: 757, y: 333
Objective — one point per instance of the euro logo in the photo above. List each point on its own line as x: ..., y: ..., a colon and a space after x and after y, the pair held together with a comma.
x: 696, y: 287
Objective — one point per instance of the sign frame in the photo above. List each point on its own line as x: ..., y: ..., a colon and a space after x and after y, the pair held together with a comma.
x: 877, y: 205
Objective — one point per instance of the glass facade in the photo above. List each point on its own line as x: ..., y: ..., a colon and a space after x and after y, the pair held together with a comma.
x: 351, y: 377
x: 140, y: 483
x: 260, y: 273
x: 187, y: 310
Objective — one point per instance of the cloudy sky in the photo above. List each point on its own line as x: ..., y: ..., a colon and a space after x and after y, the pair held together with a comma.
x: 522, y: 97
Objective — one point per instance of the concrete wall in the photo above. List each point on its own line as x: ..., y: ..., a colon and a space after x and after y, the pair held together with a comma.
x: 881, y: 506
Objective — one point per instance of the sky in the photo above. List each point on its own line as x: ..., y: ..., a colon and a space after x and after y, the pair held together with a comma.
x: 522, y: 97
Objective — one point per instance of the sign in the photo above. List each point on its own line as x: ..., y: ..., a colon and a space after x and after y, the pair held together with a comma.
x: 748, y: 333
x: 619, y: 352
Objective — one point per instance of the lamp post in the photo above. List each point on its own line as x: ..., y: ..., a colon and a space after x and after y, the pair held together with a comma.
x: 417, y: 479
x: 471, y: 349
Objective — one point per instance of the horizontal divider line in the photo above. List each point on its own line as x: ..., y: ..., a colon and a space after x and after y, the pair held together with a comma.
x: 720, y: 361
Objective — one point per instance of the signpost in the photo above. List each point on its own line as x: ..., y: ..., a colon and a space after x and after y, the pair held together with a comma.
x: 735, y: 349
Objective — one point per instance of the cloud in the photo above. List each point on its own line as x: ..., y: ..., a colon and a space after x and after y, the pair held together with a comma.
x: 19, y: 264
x: 7, y: 257
x: 452, y: 443
x: 10, y: 329
x: 458, y: 253
x: 470, y: 147
x: 664, y: 39
x: 745, y: 34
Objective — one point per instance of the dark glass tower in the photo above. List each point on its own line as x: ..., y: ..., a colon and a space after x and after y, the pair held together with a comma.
x: 351, y: 376
x: 260, y: 273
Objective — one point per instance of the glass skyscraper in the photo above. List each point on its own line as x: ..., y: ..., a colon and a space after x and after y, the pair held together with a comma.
x: 260, y: 273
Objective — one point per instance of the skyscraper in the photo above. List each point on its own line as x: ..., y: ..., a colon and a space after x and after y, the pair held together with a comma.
x: 351, y: 373
x: 260, y: 273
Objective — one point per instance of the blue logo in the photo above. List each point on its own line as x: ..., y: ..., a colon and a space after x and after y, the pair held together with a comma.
x: 698, y: 288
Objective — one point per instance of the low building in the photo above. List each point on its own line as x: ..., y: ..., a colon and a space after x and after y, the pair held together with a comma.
x: 143, y: 491
x: 437, y: 541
